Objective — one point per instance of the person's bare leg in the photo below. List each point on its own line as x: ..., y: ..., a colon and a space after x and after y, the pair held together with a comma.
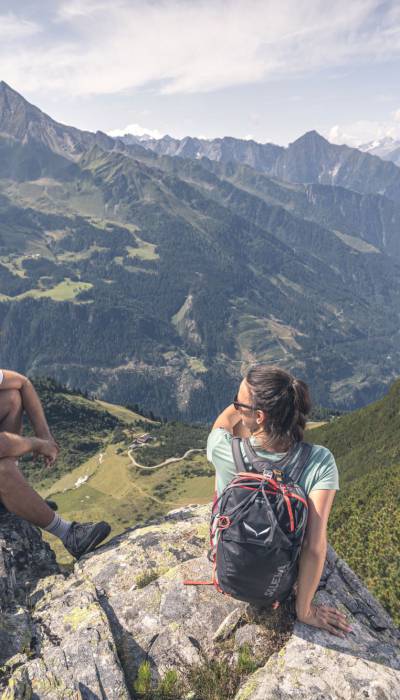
x: 11, y: 411
x: 20, y: 498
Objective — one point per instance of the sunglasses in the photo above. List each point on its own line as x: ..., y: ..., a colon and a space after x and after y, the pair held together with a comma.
x: 237, y: 405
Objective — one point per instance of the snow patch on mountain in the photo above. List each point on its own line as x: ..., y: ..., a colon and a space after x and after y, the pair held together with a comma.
x: 140, y: 132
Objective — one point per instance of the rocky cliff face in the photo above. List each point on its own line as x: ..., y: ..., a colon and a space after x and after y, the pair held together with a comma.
x: 21, y: 121
x: 123, y: 625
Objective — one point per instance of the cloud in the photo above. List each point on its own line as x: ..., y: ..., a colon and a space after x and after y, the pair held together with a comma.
x: 93, y: 47
x: 136, y: 130
x: 75, y: 9
x: 13, y: 28
x: 362, y: 132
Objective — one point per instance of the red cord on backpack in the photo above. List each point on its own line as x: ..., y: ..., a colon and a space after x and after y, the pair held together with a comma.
x: 223, y: 522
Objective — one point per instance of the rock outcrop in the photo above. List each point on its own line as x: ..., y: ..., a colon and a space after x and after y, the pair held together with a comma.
x: 123, y: 625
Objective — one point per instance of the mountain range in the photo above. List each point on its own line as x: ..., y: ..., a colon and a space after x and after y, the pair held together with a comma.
x: 386, y: 148
x: 154, y: 272
x: 311, y: 158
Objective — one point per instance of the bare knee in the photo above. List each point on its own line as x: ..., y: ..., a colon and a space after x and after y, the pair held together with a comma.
x: 8, y: 466
x: 11, y: 400
x: 11, y: 409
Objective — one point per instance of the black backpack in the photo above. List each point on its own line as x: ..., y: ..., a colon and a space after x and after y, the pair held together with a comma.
x: 258, y: 524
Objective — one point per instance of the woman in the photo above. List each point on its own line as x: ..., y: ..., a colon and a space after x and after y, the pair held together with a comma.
x: 271, y: 406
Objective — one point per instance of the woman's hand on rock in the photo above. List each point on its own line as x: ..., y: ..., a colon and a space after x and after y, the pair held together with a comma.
x: 326, y: 618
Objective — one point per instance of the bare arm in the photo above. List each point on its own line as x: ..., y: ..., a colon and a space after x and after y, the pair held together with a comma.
x: 13, y: 445
x: 229, y: 419
x: 30, y: 402
x: 313, y: 551
x: 312, y: 559
x: 12, y: 380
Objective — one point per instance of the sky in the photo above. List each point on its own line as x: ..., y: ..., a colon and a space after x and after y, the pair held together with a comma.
x: 263, y: 69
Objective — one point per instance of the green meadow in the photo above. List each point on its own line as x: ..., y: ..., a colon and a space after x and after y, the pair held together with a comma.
x: 124, y: 495
x: 67, y: 290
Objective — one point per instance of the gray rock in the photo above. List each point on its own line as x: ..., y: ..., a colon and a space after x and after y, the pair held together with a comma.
x: 228, y: 626
x: 365, y: 664
x: 15, y: 633
x: 24, y: 558
x: 74, y: 641
x: 55, y: 639
x: 87, y: 634
x: 248, y: 634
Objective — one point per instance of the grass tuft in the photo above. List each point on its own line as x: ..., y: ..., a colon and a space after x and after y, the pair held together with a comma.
x: 170, y: 687
x: 247, y: 662
x: 142, y: 684
x: 147, y: 577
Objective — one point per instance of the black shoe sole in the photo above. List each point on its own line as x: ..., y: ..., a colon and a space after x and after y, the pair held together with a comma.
x: 52, y: 504
x: 100, y: 532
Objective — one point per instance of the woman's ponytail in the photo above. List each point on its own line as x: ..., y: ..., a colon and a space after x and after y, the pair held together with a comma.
x: 285, y: 399
x: 302, y: 404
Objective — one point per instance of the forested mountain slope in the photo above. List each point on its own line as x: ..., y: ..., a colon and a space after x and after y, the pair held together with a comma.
x: 82, y: 427
x: 157, y: 280
x: 364, y: 525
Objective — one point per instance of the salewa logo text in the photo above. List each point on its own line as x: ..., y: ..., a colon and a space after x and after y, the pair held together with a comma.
x: 276, y: 579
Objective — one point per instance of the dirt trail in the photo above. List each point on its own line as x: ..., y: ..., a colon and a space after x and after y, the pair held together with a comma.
x: 170, y: 460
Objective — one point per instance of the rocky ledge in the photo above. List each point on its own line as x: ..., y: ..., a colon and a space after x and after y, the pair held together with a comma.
x: 123, y: 625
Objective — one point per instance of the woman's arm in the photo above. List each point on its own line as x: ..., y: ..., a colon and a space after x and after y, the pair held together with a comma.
x: 228, y: 419
x: 312, y: 559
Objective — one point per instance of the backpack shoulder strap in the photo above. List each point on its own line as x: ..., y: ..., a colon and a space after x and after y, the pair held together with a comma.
x: 257, y: 462
x: 297, y: 468
x: 237, y: 456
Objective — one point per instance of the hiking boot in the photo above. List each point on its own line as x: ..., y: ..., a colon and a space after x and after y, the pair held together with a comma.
x: 52, y: 504
x: 84, y: 537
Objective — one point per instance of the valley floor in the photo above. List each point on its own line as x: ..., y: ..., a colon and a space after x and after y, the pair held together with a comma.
x: 110, y: 486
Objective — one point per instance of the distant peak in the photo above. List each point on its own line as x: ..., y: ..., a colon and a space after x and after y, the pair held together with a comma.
x: 7, y: 88
x: 310, y: 137
x: 11, y: 94
x: 313, y: 134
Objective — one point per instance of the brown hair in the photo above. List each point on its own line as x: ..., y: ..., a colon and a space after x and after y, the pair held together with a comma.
x: 284, y: 398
